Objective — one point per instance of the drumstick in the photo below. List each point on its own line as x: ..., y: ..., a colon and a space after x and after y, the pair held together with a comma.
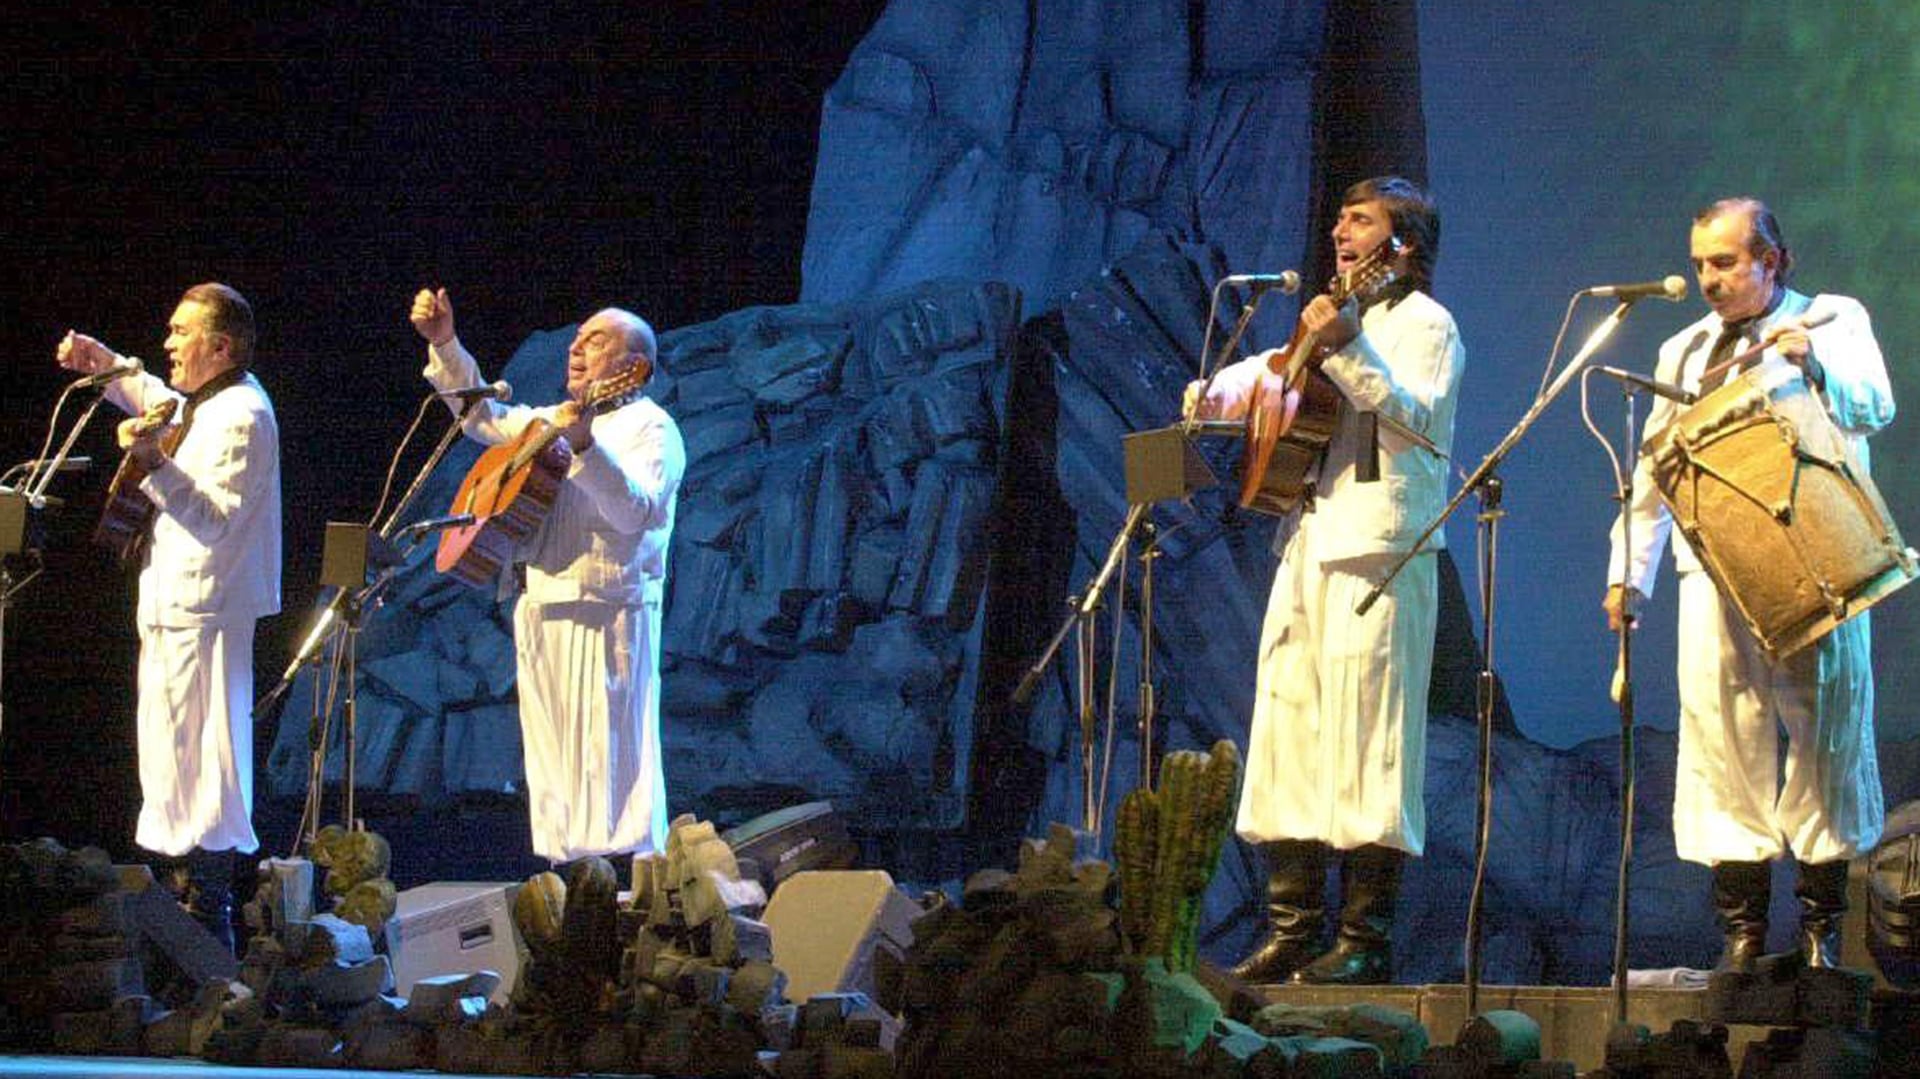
x: 1820, y: 319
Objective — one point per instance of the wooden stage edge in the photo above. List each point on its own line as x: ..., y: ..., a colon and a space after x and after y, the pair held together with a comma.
x: 1574, y: 1020
x: 1574, y: 1023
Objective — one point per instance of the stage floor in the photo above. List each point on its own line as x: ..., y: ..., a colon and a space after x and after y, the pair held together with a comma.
x: 1574, y: 1024
x: 41, y: 1067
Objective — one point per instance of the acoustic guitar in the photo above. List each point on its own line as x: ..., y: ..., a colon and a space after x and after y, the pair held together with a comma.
x: 126, y: 520
x: 512, y: 486
x: 1288, y: 428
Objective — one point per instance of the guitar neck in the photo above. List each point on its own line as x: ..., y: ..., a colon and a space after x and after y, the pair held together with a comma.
x: 1293, y: 359
x: 535, y: 446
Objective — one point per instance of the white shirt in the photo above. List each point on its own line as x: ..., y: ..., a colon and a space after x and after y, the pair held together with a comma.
x: 606, y: 536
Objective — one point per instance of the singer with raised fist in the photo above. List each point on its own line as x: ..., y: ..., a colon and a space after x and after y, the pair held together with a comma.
x: 1336, y: 756
x: 210, y: 571
x: 1736, y: 805
x: 587, y: 623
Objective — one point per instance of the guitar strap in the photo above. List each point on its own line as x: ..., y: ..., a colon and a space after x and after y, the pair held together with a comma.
x: 1367, y: 468
x: 172, y: 440
x: 230, y: 377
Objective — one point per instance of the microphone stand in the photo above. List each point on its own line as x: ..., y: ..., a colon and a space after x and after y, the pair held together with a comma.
x: 1624, y: 698
x: 324, y: 625
x: 9, y: 587
x: 1149, y: 700
x: 1084, y: 606
x: 27, y: 500
x: 342, y: 619
x: 49, y: 467
x: 350, y: 608
x: 1484, y: 481
x: 1218, y: 362
x: 1080, y: 621
x: 1623, y: 672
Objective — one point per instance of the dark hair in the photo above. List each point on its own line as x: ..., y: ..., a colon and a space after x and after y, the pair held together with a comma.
x: 228, y: 314
x: 1763, y: 235
x: 1415, y: 217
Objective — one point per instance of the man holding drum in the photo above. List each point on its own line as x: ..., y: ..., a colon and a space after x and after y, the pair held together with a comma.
x: 1738, y: 802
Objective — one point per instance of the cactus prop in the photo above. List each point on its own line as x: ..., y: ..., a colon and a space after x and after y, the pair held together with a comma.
x: 1167, y: 843
x: 357, y: 864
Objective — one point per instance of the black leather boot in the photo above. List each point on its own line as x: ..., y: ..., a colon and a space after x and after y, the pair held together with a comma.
x: 1362, y: 952
x: 209, y: 896
x: 1740, y: 894
x: 1823, y: 904
x: 1296, y: 911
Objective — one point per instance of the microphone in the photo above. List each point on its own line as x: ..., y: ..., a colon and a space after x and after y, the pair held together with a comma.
x: 417, y: 529
x: 70, y: 464
x: 1672, y: 287
x: 1665, y: 389
x: 1286, y: 281
x: 125, y: 365
x: 499, y: 391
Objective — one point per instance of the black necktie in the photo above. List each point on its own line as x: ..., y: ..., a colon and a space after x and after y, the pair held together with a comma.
x: 1722, y: 351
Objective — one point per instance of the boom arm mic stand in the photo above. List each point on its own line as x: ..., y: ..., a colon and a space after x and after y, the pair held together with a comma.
x: 20, y: 519
x: 1487, y: 485
x: 1623, y: 679
x: 338, y: 626
x: 1160, y: 465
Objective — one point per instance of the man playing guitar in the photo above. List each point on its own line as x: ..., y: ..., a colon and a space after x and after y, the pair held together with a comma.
x: 209, y: 545
x: 587, y: 627
x: 1337, y: 750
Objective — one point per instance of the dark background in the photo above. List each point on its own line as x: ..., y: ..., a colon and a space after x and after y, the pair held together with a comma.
x: 540, y: 164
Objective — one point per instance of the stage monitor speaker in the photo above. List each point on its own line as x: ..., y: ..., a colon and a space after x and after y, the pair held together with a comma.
x: 455, y: 927
x: 827, y: 925
x: 793, y: 840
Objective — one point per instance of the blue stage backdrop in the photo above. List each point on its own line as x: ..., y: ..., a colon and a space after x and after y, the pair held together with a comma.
x: 1108, y: 162
x: 1571, y: 149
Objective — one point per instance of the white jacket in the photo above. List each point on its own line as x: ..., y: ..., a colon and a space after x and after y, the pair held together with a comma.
x: 216, y: 550
x: 1406, y: 364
